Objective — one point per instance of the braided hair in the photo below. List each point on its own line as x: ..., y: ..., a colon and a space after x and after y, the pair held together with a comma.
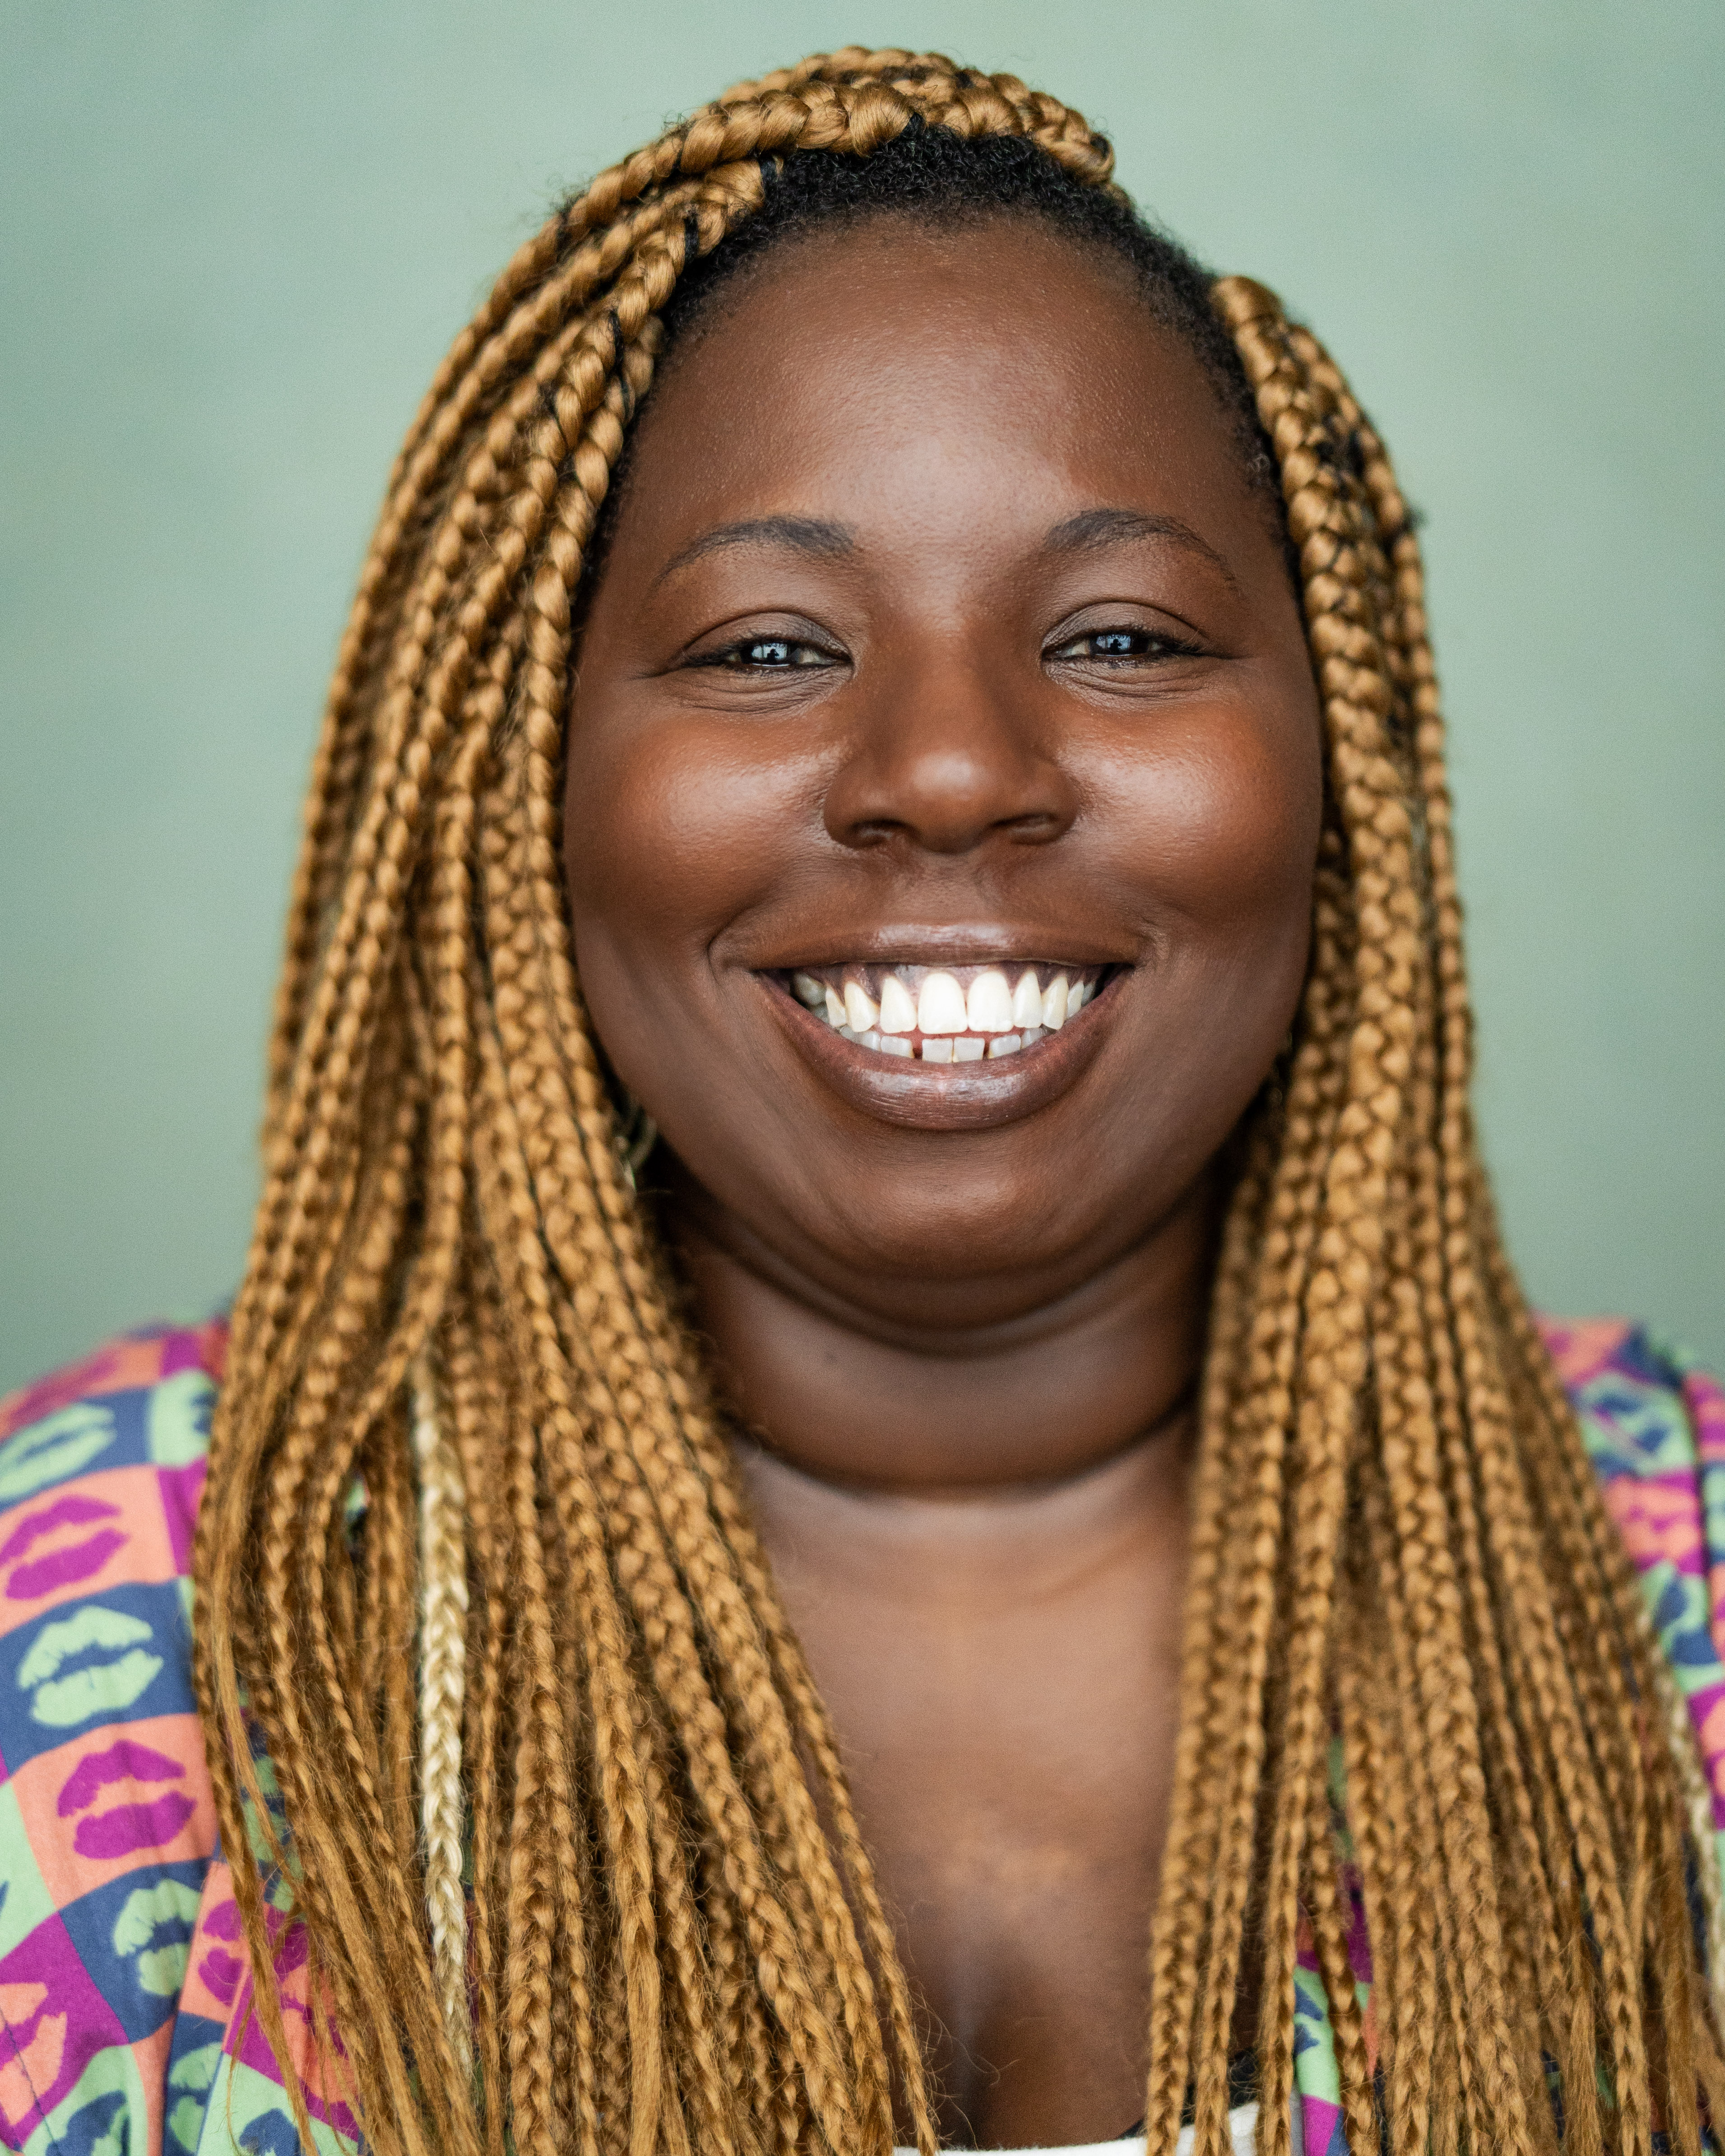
x: 526, y: 1755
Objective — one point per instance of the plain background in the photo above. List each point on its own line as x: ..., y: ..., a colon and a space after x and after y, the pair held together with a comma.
x: 237, y: 237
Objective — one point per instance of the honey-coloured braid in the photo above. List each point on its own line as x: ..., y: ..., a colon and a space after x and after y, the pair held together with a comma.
x: 593, y: 1883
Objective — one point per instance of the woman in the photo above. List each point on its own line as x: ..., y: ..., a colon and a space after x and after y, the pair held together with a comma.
x: 875, y: 1367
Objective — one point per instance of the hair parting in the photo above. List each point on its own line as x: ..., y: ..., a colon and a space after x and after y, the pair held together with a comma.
x: 523, y: 1746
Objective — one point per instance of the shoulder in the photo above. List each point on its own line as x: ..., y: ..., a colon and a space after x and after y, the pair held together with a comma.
x: 101, y: 1466
x: 127, y: 1429
x: 1653, y: 1422
x: 107, y: 1823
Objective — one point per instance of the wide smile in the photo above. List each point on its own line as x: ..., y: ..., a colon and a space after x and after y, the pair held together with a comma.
x: 947, y: 1046
x: 945, y: 1014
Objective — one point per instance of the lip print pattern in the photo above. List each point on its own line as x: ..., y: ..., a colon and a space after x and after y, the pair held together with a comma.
x: 122, y: 1656
x: 95, y: 2129
x: 92, y: 1973
x: 141, y: 1823
x: 56, y: 2020
x: 136, y: 1360
x: 190, y: 2079
x: 254, y: 2061
x: 153, y: 1930
x: 26, y: 1898
x: 36, y: 2059
x: 221, y: 1967
x: 67, y: 1443
x: 121, y: 1670
x: 273, y: 2135
x: 114, y: 1528
x: 36, y: 1572
x: 137, y: 1930
x: 176, y: 1415
x: 140, y: 1422
x: 95, y: 1936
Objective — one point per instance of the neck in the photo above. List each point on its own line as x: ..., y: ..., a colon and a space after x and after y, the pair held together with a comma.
x: 949, y: 1388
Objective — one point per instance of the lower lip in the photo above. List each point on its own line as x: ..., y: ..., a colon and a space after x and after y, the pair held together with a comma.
x: 946, y: 1096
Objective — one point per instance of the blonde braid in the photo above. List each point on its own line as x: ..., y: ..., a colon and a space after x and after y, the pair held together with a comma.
x: 443, y: 1681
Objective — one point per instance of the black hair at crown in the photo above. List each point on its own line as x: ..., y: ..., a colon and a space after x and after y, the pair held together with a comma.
x: 931, y: 176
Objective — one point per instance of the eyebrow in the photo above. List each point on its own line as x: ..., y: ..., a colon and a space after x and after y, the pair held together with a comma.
x: 802, y: 535
x: 1108, y: 527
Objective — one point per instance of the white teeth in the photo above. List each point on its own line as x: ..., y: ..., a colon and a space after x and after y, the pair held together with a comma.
x: 996, y: 1017
x: 898, y: 1013
x: 989, y: 1003
x: 940, y: 1007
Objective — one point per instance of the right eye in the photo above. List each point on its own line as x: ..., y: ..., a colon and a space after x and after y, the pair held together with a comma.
x: 765, y: 654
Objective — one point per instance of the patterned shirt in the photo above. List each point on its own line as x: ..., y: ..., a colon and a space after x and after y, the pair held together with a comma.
x: 125, y: 1989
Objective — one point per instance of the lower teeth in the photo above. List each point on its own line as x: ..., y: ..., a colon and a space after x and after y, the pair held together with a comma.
x: 942, y: 997
x: 961, y: 1048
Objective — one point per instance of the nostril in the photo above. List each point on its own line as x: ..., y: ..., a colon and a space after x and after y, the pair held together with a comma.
x: 873, y: 831
x: 1038, y: 826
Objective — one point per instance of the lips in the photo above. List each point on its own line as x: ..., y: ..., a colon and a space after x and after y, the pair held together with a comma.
x: 986, y: 1074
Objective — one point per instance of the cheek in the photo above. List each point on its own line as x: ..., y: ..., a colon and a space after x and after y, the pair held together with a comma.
x: 668, y: 830
x: 1218, y: 833
x: 1221, y: 823
x: 634, y: 844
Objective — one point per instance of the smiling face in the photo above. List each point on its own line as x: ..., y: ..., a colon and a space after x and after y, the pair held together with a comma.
x: 944, y: 678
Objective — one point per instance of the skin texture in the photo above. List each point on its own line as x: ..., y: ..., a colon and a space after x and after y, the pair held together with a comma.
x: 959, y: 1310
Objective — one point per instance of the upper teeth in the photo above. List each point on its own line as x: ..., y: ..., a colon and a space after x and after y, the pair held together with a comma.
x: 941, y: 1008
x: 898, y: 1011
x: 997, y: 1012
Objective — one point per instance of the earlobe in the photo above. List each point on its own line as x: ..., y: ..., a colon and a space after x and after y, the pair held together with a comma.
x: 637, y: 1134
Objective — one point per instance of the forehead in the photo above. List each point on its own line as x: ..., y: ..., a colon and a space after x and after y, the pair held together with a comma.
x: 887, y: 359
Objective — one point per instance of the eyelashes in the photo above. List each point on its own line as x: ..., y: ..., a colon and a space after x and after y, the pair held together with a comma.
x: 1121, y: 647
x: 766, y: 654
x: 789, y: 654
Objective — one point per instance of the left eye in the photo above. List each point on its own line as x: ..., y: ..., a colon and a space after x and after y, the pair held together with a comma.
x: 768, y: 654
x: 1119, y: 644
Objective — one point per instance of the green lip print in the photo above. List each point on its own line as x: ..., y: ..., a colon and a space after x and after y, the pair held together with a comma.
x: 50, y: 1450
x: 111, y: 1687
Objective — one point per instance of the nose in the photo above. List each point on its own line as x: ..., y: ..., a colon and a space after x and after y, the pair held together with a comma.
x: 945, y: 758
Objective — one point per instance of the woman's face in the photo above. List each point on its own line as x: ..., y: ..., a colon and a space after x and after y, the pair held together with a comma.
x: 942, y: 653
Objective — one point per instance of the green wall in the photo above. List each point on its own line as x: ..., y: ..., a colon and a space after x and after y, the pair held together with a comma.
x: 237, y: 238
